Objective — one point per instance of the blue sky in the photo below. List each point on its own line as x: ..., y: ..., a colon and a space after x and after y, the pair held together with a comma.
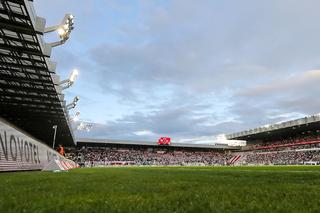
x: 188, y: 68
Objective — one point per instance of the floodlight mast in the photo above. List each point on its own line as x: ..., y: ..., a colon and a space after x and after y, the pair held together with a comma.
x: 73, y: 104
x: 65, y: 84
x: 64, y: 29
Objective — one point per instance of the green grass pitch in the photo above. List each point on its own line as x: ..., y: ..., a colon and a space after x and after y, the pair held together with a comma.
x: 163, y: 189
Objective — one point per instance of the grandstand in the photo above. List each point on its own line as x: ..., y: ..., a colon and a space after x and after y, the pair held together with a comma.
x: 279, y: 130
x: 291, y: 142
x: 31, y: 98
x: 123, y: 152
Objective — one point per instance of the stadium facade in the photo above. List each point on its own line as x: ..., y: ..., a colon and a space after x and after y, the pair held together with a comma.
x: 31, y: 98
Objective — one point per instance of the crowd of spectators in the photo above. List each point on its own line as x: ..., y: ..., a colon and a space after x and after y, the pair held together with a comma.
x: 305, y: 137
x: 283, y: 155
x: 302, y: 149
x: 282, y: 158
x: 103, y: 156
x: 288, y: 148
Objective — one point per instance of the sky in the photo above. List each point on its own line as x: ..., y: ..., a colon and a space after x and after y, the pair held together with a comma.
x: 188, y: 69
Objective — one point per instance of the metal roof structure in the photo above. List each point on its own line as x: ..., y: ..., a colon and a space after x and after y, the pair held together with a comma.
x: 279, y: 129
x: 30, y: 96
x: 154, y: 143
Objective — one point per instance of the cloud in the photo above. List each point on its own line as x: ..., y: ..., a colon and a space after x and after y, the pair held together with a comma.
x: 143, y: 133
x: 294, y: 83
x: 190, y: 68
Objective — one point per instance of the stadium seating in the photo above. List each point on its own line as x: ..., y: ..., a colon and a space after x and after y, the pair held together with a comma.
x: 305, y: 153
x: 101, y: 156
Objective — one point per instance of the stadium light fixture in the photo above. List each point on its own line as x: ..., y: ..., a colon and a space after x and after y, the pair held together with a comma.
x: 76, y: 117
x: 73, y: 104
x: 84, y: 126
x: 63, y: 29
x: 65, y: 84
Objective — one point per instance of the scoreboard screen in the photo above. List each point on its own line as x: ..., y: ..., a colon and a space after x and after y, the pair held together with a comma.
x: 164, y: 141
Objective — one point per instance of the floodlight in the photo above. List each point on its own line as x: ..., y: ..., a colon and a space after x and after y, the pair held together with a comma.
x: 74, y: 75
x: 70, y: 81
x: 63, y: 29
x: 76, y: 99
x: 84, y: 126
x: 73, y: 104
x: 76, y: 117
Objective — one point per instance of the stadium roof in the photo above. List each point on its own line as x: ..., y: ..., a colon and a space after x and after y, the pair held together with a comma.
x: 29, y: 97
x: 153, y: 143
x: 279, y: 129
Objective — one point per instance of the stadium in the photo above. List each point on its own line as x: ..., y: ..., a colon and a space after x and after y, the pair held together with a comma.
x: 46, y: 165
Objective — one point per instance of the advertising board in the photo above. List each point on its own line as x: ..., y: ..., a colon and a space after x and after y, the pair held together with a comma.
x: 19, y: 151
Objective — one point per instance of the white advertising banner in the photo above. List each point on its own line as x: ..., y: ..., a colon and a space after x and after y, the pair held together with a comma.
x: 18, y: 151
